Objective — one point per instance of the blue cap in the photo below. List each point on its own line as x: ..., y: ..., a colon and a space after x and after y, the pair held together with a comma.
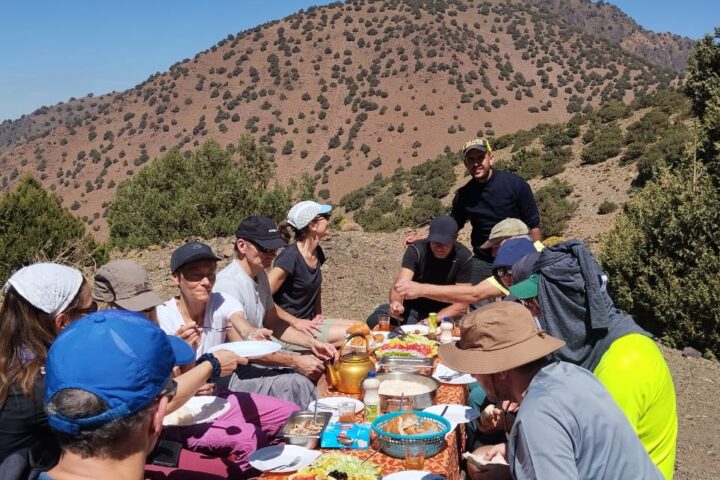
x: 513, y: 250
x: 443, y: 229
x: 117, y: 355
x: 191, y: 252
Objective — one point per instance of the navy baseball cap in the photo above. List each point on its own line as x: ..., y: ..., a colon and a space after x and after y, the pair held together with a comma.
x: 443, y: 229
x: 260, y: 230
x: 117, y: 355
x: 512, y: 250
x: 191, y: 252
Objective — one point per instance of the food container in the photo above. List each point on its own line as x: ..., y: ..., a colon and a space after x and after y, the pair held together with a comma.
x: 390, y: 364
x: 307, y: 441
x: 394, y: 444
x: 420, y: 401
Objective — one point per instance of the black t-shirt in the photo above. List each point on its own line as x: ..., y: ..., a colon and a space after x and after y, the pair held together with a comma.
x: 505, y: 195
x: 24, y: 425
x: 301, y: 288
x: 455, y: 268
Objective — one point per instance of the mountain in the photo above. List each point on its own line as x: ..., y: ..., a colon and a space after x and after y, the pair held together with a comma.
x: 343, y: 92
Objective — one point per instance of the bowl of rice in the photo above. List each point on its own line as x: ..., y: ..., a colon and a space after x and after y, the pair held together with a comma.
x: 421, y: 389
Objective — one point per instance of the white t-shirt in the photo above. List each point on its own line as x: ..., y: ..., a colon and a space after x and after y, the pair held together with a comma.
x: 255, y: 296
x: 217, y: 316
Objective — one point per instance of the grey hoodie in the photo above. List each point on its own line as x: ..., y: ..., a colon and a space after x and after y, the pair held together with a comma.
x: 576, y: 306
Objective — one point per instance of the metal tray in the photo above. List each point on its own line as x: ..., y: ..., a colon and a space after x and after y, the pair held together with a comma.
x: 390, y: 364
x: 307, y: 441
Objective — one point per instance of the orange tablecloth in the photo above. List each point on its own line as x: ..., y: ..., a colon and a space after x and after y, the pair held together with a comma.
x: 445, y: 463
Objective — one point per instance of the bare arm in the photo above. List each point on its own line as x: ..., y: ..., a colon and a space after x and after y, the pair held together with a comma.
x: 395, y: 299
x: 276, y: 277
x: 454, y: 309
x: 536, y: 234
x: 242, y: 330
x: 450, y: 293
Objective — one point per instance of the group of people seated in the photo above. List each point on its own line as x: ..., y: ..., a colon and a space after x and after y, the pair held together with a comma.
x: 571, y: 386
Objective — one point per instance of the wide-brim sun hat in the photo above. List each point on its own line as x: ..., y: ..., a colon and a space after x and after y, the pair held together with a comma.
x: 497, y: 337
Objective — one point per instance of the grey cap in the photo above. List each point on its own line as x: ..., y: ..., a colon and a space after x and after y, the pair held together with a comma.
x: 126, y: 284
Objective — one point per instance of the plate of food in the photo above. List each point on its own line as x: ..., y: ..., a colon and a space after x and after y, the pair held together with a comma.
x: 374, y: 339
x: 202, y: 409
x: 445, y: 374
x: 338, y: 466
x: 248, y: 348
x: 417, y: 329
x: 455, y: 413
x: 282, y: 458
x: 411, y: 345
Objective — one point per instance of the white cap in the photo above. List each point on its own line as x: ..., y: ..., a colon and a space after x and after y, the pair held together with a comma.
x: 301, y: 214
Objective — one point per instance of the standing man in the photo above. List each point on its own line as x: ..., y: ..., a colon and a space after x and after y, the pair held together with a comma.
x: 487, y: 198
x: 568, y: 426
x: 108, y: 383
x: 437, y: 260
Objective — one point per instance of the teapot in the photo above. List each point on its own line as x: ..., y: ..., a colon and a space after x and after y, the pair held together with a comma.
x: 352, y: 368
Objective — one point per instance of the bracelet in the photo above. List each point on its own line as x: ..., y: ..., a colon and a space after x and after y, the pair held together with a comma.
x: 209, y: 357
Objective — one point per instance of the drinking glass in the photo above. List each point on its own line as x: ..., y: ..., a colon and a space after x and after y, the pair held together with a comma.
x: 414, y: 456
x: 384, y: 323
x: 398, y: 404
x: 346, y: 412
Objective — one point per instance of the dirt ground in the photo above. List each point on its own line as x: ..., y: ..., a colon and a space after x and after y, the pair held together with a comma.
x: 360, y: 270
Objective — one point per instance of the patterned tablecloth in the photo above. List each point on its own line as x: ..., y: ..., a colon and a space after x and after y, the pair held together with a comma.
x: 445, y: 463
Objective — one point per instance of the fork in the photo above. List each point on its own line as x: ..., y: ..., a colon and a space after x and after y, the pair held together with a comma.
x: 295, y: 461
x: 224, y: 329
x: 451, y: 377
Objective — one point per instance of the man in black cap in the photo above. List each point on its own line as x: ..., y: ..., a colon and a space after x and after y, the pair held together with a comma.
x: 437, y: 260
x: 245, y: 280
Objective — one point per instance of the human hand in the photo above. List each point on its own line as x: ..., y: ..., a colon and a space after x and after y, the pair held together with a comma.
x: 309, y: 365
x: 260, y: 334
x: 324, y: 351
x: 409, y: 289
x: 499, y: 449
x: 229, y: 361
x: 310, y: 327
x: 206, y: 389
x: 397, y: 309
x: 190, y: 333
x: 411, y: 238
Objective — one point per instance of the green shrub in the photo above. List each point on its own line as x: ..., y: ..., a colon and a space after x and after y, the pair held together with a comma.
x: 554, y: 206
x: 204, y: 194
x: 663, y: 258
x: 34, y: 226
x: 607, y: 207
x: 606, y: 144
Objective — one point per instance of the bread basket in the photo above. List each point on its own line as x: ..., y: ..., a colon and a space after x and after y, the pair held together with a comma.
x: 393, y: 444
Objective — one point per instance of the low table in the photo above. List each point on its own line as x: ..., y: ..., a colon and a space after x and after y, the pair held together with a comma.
x: 445, y: 463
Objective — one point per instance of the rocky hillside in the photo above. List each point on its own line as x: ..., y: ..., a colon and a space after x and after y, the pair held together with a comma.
x: 342, y: 92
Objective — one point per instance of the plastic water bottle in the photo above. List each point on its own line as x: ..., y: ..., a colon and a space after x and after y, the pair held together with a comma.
x: 432, y: 326
x: 371, y: 397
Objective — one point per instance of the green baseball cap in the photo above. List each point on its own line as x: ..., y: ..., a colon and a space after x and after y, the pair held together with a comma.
x: 526, y: 289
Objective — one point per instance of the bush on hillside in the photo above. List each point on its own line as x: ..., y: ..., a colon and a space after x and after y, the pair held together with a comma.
x: 663, y: 258
x: 34, y: 226
x: 204, y: 194
x: 554, y: 206
x: 606, y: 144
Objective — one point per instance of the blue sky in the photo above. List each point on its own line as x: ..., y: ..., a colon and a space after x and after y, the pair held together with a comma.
x: 53, y: 50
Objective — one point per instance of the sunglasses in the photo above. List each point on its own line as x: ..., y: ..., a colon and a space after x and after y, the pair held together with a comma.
x: 504, y: 272
x: 266, y: 251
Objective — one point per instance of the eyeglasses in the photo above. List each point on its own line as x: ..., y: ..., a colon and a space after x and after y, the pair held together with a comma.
x: 504, y: 272
x: 198, y: 276
x: 266, y: 251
